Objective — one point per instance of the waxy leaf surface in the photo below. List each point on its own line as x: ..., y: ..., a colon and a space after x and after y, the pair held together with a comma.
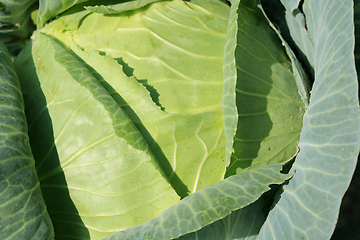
x: 308, y: 206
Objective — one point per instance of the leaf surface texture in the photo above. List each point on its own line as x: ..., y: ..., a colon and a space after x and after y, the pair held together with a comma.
x: 22, y: 207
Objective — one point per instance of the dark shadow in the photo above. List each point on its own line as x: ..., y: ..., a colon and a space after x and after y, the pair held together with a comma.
x: 244, y: 223
x: 275, y: 11
x: 130, y: 72
x: 348, y: 225
x: 357, y: 39
x: 254, y: 82
x: 180, y: 188
x: 63, y: 213
x: 153, y: 92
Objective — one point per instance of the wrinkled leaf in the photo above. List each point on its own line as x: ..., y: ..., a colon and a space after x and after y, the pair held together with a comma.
x: 23, y: 213
x: 329, y: 142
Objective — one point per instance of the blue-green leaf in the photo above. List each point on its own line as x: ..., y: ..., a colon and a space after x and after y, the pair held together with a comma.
x: 329, y: 143
x: 243, y: 224
x: 298, y: 30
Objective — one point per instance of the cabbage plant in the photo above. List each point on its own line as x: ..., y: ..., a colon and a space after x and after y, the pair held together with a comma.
x: 198, y: 119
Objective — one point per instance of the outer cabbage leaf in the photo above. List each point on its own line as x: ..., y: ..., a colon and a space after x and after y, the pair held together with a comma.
x: 23, y: 213
x: 50, y: 8
x: 97, y: 173
x: 170, y: 83
x: 208, y: 205
x: 329, y: 141
x: 261, y: 105
x: 15, y: 23
x: 243, y: 224
x: 296, y: 24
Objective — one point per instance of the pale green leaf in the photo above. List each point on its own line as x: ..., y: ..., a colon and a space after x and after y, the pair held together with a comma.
x: 208, y: 205
x: 120, y: 7
x: 230, y: 75
x: 309, y: 205
x: 158, y: 69
x: 23, y: 213
x: 97, y: 173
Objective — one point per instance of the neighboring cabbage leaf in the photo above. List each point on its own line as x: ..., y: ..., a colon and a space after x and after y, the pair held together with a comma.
x: 172, y: 55
x: 23, y: 213
x: 15, y: 23
x: 298, y: 31
x: 52, y: 8
x: 49, y: 8
x: 97, y: 173
x: 264, y: 126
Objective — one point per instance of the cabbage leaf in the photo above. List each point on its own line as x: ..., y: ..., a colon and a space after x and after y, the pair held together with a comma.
x: 258, y: 80
x: 152, y: 119
x: 110, y: 167
x: 150, y: 62
x: 22, y: 207
x: 329, y: 141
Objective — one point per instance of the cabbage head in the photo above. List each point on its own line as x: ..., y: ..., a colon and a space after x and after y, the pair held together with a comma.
x: 153, y: 119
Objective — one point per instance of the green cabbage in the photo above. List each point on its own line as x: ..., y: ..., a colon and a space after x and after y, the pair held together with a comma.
x: 132, y: 106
